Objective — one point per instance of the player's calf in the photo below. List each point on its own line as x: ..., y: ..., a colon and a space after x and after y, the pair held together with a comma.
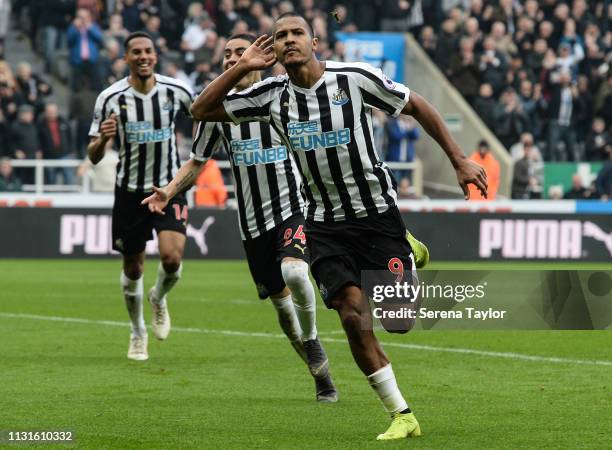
x: 295, y: 275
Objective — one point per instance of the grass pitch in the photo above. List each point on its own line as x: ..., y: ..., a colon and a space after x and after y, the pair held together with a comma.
x: 226, y: 378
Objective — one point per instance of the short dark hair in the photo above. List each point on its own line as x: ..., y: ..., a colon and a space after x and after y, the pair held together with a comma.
x: 134, y: 35
x: 293, y: 14
x: 246, y: 36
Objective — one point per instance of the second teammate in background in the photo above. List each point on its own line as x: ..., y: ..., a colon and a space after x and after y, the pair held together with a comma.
x: 271, y: 218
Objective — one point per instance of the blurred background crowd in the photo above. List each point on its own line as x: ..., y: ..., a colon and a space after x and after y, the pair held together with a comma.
x: 536, y: 72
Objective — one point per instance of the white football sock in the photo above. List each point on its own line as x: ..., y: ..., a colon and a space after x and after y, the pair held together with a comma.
x: 133, y: 293
x: 165, y: 282
x: 287, y: 318
x: 295, y: 274
x: 384, y: 384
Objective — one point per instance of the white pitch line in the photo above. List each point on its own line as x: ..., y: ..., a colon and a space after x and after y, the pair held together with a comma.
x: 430, y: 348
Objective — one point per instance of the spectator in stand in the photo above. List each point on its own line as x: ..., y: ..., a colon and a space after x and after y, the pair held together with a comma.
x: 4, y: 136
x: 339, y: 53
x: 560, y: 115
x: 53, y: 23
x: 118, y: 70
x: 577, y: 191
x: 9, y: 182
x: 33, y: 88
x: 463, y: 70
x: 104, y: 174
x: 202, y: 76
x: 447, y: 42
x: 265, y: 24
x: 194, y: 38
x: 210, y: 188
x: 603, y: 182
x: 395, y: 15
x: 111, y: 53
x: 503, y: 42
x: 599, y: 142
x: 529, y: 105
x: 405, y: 191
x: 84, y: 41
x: 130, y: 15
x: 555, y: 192
x: 240, y: 27
x: 484, y: 157
x: 173, y: 70
x: 116, y: 31
x: 81, y: 111
x: 485, y: 104
x: 56, y: 143
x: 568, y: 59
x: 428, y: 41
x: 5, y: 14
x: 545, y: 31
x: 24, y: 141
x: 525, y: 185
x: 9, y: 101
x: 517, y: 151
x: 471, y: 29
x: 402, y: 133
x: 226, y: 18
x: 583, y: 114
x: 603, y: 100
x: 510, y: 119
x: 524, y: 35
x: 152, y: 26
x: 492, y: 66
x: 535, y: 58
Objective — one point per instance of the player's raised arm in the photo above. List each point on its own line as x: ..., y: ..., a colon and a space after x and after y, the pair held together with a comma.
x: 209, y: 104
x: 468, y: 172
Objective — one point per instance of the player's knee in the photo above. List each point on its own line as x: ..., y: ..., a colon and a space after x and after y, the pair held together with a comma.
x: 133, y: 269
x: 295, y: 274
x: 171, y: 261
x: 350, y: 313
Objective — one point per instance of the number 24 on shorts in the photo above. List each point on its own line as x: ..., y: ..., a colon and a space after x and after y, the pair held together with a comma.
x: 299, y: 235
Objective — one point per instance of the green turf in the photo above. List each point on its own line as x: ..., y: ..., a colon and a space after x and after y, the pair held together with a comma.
x: 212, y: 390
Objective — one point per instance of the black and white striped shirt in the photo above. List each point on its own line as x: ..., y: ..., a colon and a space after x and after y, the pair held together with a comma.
x: 148, y: 154
x: 266, y: 178
x: 329, y: 128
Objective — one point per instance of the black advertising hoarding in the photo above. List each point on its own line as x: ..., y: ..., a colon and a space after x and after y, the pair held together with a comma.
x: 513, y: 237
x: 80, y: 233
x: 214, y: 234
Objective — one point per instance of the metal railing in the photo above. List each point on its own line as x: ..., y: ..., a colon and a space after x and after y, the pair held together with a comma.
x: 84, y: 183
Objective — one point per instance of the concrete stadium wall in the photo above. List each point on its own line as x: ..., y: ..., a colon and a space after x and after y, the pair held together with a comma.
x: 424, y: 77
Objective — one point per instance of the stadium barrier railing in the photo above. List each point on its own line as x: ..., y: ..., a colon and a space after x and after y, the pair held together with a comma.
x: 84, y: 183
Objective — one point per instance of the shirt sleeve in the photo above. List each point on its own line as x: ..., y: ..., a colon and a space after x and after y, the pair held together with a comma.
x: 208, y: 138
x: 254, y: 103
x: 380, y: 92
x: 98, y: 116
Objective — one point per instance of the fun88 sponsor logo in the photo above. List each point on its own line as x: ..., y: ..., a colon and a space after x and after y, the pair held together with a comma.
x: 248, y: 152
x: 143, y: 132
x: 307, y: 136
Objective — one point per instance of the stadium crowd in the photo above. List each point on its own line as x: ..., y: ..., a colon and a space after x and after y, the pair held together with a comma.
x: 537, y: 72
